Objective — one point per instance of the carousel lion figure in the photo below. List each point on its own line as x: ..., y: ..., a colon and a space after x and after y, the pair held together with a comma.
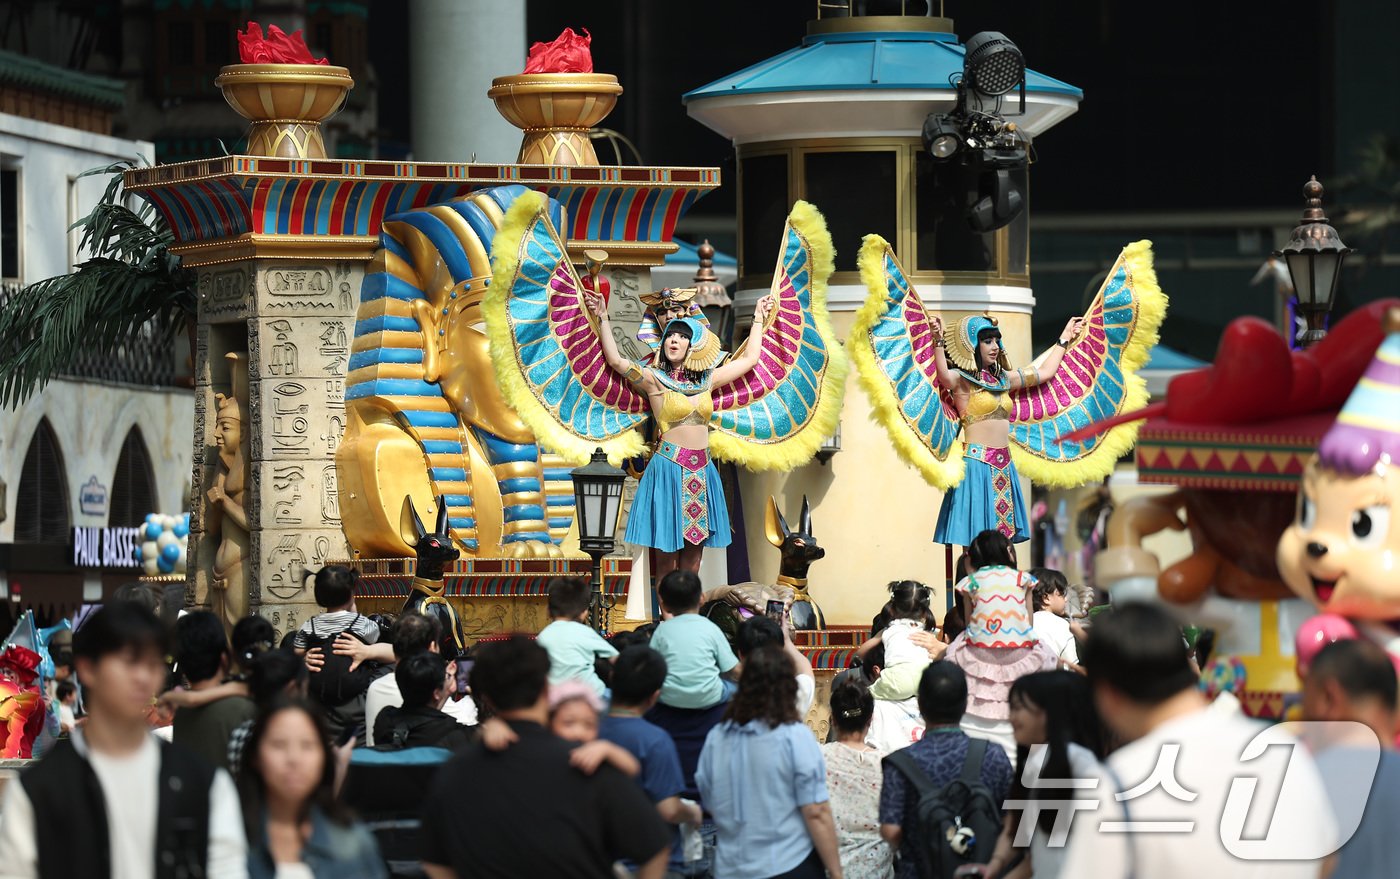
x: 1342, y: 551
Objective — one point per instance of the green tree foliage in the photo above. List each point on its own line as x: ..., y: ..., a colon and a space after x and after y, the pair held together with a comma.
x: 131, y: 279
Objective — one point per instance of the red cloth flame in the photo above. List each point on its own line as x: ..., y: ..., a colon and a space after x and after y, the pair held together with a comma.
x: 278, y: 47
x: 569, y: 53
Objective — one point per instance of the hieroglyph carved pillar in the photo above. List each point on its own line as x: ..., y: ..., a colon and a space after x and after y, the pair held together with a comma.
x: 297, y: 320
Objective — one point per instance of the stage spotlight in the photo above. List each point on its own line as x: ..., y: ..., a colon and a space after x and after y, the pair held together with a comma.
x: 1001, y: 197
x: 992, y: 64
x: 942, y: 138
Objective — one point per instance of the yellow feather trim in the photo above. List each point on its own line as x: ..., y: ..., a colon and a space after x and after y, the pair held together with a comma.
x: 885, y: 406
x: 553, y: 434
x: 1151, y: 311
x: 799, y: 448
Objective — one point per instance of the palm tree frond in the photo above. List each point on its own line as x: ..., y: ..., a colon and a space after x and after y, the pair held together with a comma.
x: 131, y: 286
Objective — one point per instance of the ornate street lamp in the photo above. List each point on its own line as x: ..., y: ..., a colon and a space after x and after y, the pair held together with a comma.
x: 829, y: 447
x: 597, y: 501
x: 1314, y: 254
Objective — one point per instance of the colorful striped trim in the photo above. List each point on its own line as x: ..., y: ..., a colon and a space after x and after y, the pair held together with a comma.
x: 235, y: 195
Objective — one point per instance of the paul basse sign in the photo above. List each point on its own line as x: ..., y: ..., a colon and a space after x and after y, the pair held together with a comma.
x: 106, y: 547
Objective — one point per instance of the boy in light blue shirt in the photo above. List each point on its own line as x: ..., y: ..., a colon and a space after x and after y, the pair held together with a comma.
x: 572, y: 644
x: 700, y: 666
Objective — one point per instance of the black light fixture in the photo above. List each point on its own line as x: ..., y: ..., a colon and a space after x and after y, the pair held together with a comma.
x: 977, y: 134
x: 992, y: 64
x: 942, y: 136
x: 1001, y: 199
x: 1314, y: 255
x: 597, y: 502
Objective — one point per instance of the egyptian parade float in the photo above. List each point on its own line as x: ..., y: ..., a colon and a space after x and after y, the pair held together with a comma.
x: 456, y: 377
x: 396, y: 354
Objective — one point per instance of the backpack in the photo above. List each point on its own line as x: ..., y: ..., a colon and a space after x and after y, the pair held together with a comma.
x: 335, y: 684
x: 957, y: 824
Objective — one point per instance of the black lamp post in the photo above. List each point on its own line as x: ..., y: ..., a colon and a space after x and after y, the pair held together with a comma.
x: 1314, y: 254
x: 597, y: 501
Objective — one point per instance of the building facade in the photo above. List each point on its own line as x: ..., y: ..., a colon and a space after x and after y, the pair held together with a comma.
x: 109, y: 441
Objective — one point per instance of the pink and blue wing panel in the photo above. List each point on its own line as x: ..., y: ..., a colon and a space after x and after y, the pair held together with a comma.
x: 558, y: 349
x: 779, y: 395
x: 902, y: 340
x: 1088, y: 386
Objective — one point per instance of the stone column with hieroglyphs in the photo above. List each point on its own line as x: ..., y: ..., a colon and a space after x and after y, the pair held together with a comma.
x: 299, y: 349
x: 295, y: 321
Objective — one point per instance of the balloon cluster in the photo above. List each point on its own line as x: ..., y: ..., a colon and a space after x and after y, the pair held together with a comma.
x: 165, y: 539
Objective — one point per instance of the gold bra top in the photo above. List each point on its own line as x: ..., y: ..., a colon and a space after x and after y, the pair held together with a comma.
x: 985, y: 405
x: 677, y: 409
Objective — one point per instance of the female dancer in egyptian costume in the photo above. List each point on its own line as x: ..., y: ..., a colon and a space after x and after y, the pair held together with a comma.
x: 768, y: 406
x: 958, y: 413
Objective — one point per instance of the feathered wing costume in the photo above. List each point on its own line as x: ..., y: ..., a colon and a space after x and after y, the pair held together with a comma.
x: 550, y: 364
x: 892, y: 344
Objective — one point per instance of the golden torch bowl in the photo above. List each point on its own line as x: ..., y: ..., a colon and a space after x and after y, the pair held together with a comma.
x: 555, y: 110
x: 286, y: 104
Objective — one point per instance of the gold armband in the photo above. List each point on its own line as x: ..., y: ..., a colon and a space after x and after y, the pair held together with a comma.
x: 633, y: 372
x: 1032, y: 379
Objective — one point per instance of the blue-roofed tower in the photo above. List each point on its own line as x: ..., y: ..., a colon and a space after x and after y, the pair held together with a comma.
x: 837, y: 120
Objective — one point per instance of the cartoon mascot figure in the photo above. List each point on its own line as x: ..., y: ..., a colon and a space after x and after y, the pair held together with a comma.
x: 1342, y: 551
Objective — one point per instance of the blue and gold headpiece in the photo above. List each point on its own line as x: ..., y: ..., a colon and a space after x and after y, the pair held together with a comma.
x: 705, y: 352
x: 962, y: 342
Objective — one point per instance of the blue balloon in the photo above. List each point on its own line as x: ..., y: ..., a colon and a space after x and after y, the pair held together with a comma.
x: 153, y: 530
x: 151, y: 517
x: 182, y: 528
x: 136, y: 553
x: 164, y: 565
x: 171, y: 552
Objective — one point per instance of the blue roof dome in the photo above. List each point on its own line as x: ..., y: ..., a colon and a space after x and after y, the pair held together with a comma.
x: 864, y: 60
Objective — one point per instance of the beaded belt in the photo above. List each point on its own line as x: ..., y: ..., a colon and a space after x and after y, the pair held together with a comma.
x: 689, y: 459
x: 997, y: 458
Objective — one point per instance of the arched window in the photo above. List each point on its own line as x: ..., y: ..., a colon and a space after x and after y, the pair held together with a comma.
x: 134, y: 484
x: 41, y: 510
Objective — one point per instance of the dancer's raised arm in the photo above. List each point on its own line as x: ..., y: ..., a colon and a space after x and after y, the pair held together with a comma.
x: 739, y: 366
x: 946, y: 377
x: 611, y: 354
x: 1044, y: 367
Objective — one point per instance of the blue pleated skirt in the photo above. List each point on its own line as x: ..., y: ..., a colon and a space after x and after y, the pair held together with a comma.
x: 987, y: 499
x: 679, y: 501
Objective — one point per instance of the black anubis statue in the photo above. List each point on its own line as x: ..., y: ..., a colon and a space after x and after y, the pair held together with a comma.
x: 434, y: 552
x: 799, y: 549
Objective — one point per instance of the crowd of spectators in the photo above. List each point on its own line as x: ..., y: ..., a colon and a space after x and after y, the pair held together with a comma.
x: 368, y: 747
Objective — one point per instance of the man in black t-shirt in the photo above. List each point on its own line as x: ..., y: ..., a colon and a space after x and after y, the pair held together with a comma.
x: 424, y: 680
x: 526, y: 811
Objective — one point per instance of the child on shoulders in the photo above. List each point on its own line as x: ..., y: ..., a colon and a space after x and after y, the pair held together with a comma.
x: 701, y: 667
x: 907, y: 613
x: 572, y: 644
x: 335, y: 591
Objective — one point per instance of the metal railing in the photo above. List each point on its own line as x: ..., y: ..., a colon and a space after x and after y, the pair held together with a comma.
x: 145, y: 360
